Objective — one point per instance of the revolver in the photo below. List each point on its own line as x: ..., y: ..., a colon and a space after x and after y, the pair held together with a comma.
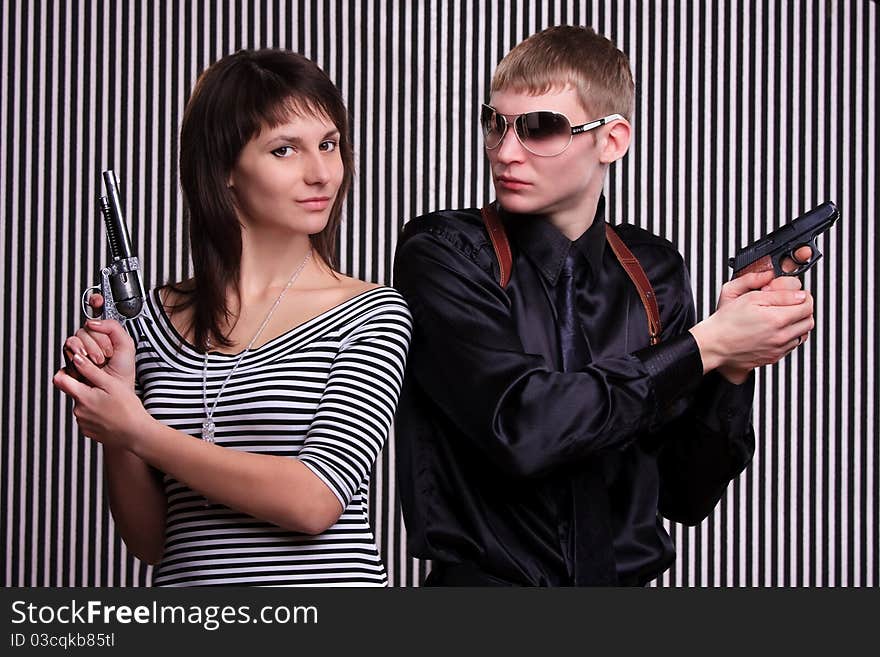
x: 120, y: 280
x: 769, y: 251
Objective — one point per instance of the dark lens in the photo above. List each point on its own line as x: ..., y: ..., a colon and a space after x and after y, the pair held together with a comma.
x: 544, y: 133
x: 492, y: 124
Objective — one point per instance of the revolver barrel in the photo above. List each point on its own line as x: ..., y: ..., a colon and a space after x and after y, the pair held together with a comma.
x: 111, y: 210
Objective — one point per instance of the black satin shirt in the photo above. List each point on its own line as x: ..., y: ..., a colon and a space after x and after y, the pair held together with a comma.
x: 490, y: 431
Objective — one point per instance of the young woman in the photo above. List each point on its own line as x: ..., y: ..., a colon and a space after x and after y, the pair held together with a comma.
x: 240, y: 432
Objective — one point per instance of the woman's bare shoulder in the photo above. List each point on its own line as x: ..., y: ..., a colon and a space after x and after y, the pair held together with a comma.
x: 176, y: 301
x: 355, y: 286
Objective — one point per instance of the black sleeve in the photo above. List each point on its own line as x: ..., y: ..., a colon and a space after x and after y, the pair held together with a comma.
x: 467, y: 356
x: 709, y: 439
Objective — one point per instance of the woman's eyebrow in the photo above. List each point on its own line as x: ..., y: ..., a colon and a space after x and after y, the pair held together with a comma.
x: 287, y: 138
x: 295, y: 139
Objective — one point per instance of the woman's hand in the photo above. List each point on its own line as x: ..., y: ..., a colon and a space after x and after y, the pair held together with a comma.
x: 88, y: 343
x: 107, y: 410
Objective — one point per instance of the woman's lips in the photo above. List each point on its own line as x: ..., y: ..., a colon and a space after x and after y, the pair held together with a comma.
x: 315, y: 203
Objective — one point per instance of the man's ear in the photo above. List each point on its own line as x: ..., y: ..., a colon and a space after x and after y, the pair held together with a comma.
x: 616, y: 143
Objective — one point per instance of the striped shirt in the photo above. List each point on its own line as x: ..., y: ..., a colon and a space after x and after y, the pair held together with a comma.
x: 325, y: 393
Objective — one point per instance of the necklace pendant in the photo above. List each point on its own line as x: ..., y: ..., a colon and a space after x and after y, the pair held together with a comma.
x: 208, y: 430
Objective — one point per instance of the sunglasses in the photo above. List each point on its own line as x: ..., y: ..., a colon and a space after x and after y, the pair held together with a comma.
x: 543, y: 133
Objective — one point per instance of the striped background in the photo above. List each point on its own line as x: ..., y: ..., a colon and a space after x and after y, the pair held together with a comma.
x: 747, y: 114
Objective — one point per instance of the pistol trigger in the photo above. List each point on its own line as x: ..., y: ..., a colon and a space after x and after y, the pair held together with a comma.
x: 778, y: 269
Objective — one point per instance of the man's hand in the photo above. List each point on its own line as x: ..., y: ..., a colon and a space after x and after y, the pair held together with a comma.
x: 759, y: 321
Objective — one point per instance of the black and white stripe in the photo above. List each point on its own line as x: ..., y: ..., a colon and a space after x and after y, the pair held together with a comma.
x: 747, y: 113
x: 323, y: 392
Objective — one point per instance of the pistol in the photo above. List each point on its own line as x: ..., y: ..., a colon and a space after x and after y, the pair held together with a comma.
x: 769, y: 251
x: 120, y: 280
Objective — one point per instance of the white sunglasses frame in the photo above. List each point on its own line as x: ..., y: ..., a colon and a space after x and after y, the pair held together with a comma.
x: 575, y: 129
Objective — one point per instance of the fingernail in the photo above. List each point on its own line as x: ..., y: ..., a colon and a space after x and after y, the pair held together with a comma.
x: 83, y: 353
x: 77, y: 358
x: 94, y: 322
x: 800, y: 294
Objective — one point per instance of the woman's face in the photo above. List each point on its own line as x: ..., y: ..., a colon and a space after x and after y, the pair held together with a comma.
x: 287, y: 177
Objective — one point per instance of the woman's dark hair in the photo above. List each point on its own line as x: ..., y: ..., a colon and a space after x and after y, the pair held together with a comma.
x: 233, y: 100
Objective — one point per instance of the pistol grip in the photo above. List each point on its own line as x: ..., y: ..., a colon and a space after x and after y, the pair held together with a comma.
x: 764, y: 264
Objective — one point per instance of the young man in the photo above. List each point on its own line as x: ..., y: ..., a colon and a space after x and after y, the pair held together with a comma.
x: 540, y: 433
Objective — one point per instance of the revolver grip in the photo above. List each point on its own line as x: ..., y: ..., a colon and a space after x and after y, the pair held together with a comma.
x: 70, y: 367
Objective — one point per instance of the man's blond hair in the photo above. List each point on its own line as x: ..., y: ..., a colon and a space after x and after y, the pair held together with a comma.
x: 567, y: 55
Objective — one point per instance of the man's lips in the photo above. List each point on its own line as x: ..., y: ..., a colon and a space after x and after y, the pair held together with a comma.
x: 511, y: 183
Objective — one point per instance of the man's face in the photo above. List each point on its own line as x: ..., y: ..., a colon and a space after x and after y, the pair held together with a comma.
x: 559, y: 185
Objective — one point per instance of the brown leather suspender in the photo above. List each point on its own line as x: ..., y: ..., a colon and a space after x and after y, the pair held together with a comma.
x: 634, y: 270
x: 499, y: 242
x: 627, y: 260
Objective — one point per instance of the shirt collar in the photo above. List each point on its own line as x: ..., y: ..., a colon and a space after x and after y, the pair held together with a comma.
x: 547, y: 247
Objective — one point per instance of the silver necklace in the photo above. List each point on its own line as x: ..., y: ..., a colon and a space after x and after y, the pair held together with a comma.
x: 208, y: 425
